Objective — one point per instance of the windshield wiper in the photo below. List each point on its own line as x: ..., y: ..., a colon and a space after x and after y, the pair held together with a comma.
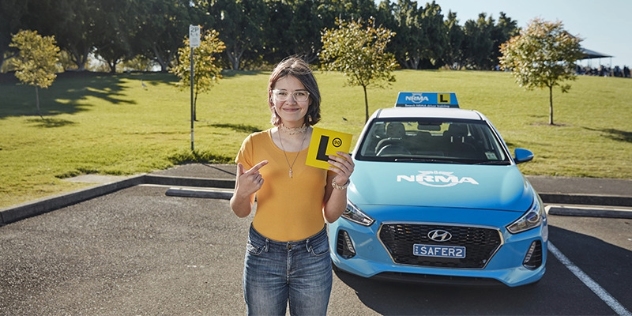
x: 440, y: 160
x: 493, y: 162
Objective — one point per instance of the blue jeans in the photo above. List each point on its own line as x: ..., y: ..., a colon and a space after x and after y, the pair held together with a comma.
x: 298, y: 272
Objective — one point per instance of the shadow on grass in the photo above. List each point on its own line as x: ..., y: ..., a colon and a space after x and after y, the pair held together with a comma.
x: 614, y: 134
x: 204, y: 156
x: 77, y: 172
x: 69, y: 92
x: 538, y: 116
x: 48, y: 122
x: 239, y: 127
x: 524, y: 145
x: 198, y: 156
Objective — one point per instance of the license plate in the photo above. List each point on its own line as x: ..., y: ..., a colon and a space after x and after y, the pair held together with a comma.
x: 422, y: 250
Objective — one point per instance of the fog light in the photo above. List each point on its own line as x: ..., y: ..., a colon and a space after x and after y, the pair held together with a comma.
x: 533, y: 258
x: 344, y: 245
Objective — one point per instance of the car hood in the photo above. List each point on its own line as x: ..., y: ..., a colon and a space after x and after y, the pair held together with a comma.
x: 440, y: 185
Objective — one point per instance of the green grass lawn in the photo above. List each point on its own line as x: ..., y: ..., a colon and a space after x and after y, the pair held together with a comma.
x: 111, y: 124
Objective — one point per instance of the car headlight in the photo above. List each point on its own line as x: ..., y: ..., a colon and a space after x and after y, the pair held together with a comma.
x: 531, y: 219
x: 354, y: 214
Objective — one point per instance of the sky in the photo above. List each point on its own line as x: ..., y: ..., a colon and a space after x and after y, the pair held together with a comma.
x: 604, y: 25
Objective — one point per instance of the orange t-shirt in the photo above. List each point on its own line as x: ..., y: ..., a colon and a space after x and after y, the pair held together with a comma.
x: 288, y: 209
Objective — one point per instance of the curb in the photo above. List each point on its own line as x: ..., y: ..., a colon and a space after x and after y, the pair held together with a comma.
x: 587, y: 211
x: 188, y: 182
x: 200, y: 193
x: 211, y: 188
x: 26, y: 210
x: 587, y: 199
x: 46, y: 205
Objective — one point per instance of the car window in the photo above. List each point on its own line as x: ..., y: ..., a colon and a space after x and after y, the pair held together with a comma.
x: 441, y: 140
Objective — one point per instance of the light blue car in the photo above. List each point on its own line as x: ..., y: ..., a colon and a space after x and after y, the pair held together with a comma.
x: 437, y: 197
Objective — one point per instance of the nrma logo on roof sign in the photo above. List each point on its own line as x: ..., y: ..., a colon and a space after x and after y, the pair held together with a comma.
x: 436, y: 178
x: 427, y: 99
x: 416, y: 98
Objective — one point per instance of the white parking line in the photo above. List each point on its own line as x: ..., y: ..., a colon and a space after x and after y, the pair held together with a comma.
x: 592, y: 285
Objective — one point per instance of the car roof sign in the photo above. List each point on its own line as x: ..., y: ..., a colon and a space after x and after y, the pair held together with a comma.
x: 427, y: 99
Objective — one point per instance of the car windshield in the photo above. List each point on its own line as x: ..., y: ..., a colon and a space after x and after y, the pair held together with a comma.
x: 432, y: 140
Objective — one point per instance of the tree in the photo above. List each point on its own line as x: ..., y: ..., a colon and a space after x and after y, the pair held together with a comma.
x: 114, y: 31
x: 408, y: 43
x: 384, y: 15
x: 435, y: 34
x: 74, y: 29
x: 453, y: 55
x: 360, y: 53
x: 241, y: 24
x: 298, y: 22
x: 304, y: 30
x: 161, y: 25
x: 477, y: 45
x: 206, y: 68
x: 504, y: 29
x: 72, y: 22
x: 36, y: 63
x: 11, y: 21
x: 542, y: 55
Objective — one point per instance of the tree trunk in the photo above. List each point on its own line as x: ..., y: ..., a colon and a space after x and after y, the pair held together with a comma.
x: 80, y: 59
x: 551, y: 105
x: 234, y: 56
x: 366, y: 105
x: 163, y: 64
x: 37, y: 102
x: 414, y: 63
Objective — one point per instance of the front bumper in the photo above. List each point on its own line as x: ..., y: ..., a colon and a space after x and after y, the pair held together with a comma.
x: 517, y: 260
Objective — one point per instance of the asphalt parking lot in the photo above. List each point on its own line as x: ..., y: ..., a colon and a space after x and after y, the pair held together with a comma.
x: 139, y: 251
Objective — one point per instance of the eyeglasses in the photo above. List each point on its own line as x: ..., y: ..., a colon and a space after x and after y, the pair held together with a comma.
x: 283, y: 95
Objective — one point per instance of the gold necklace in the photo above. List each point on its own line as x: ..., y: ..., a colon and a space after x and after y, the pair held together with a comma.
x: 291, y: 173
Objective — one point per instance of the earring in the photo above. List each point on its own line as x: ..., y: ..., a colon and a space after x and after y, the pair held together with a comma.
x: 309, y: 118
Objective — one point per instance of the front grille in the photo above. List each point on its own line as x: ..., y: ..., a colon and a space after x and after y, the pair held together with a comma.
x: 480, y: 244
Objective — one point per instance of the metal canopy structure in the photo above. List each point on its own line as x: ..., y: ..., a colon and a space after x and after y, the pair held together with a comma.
x: 591, y: 54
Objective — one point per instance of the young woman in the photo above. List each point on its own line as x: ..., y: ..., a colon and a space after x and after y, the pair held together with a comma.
x: 287, y: 257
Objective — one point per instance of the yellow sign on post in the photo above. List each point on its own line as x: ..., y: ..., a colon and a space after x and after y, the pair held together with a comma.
x: 326, y: 142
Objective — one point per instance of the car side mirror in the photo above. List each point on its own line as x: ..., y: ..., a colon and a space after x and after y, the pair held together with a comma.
x: 522, y: 155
